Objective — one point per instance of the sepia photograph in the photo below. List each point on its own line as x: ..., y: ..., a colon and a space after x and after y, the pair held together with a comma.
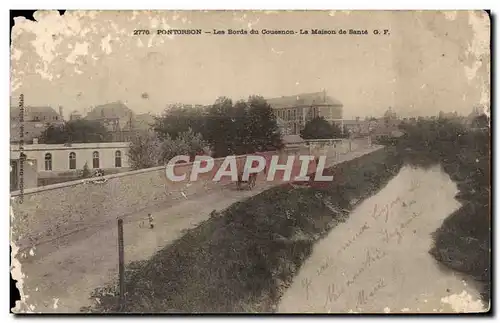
x: 250, y: 161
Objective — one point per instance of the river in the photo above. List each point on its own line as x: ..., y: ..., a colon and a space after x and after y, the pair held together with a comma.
x: 378, y: 260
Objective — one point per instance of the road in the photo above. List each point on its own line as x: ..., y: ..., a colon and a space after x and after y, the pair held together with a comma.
x: 60, y: 275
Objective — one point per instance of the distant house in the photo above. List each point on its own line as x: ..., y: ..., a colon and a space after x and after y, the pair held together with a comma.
x: 35, y: 120
x: 296, y: 110
x: 75, y: 115
x: 356, y: 127
x: 114, y: 116
x: 143, y: 121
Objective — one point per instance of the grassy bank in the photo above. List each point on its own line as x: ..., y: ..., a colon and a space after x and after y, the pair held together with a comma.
x: 243, y: 258
x: 463, y: 241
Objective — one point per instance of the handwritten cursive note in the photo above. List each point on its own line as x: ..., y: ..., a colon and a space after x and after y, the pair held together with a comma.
x: 363, y: 296
x: 334, y: 291
x: 306, y: 283
x: 385, y: 210
x: 399, y: 230
x: 354, y: 238
x: 371, y: 257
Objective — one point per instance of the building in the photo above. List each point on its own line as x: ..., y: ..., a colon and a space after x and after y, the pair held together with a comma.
x: 35, y: 120
x: 75, y: 115
x: 296, y: 110
x: 114, y: 116
x: 66, y: 161
x: 357, y: 127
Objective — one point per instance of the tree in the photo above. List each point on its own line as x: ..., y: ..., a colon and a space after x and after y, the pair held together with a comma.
x: 145, y: 150
x: 319, y: 128
x: 180, y: 118
x: 262, y: 127
x: 240, y: 128
x: 76, y: 131
x: 148, y: 149
x: 86, y: 171
x: 221, y: 126
x: 245, y: 127
x: 480, y: 121
x: 187, y: 143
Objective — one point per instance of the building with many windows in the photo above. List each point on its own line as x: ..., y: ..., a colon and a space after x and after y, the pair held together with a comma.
x: 293, y: 112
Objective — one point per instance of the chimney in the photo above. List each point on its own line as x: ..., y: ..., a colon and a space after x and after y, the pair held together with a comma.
x: 61, y: 112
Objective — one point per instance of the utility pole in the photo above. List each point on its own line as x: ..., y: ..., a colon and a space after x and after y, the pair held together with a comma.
x: 121, y: 264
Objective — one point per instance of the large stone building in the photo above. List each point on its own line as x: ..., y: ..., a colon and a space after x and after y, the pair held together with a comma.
x: 35, y: 120
x: 293, y: 112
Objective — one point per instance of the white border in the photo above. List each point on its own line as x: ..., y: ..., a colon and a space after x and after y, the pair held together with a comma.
x: 185, y: 4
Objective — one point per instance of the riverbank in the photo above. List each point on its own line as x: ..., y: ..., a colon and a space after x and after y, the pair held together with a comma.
x: 378, y: 260
x: 243, y: 258
x: 463, y: 242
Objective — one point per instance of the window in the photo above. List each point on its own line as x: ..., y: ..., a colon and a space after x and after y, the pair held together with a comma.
x: 118, y: 158
x: 95, y: 159
x: 294, y: 114
x: 288, y: 112
x: 48, y: 161
x: 72, y: 161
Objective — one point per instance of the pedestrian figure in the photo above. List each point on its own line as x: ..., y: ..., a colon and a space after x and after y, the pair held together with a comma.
x: 150, y: 219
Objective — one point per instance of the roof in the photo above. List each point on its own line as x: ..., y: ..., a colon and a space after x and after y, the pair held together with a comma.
x: 355, y: 122
x: 34, y: 110
x: 292, y: 139
x: 90, y: 145
x: 304, y: 99
x: 111, y: 110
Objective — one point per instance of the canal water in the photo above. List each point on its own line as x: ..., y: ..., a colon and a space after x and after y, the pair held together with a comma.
x: 378, y: 260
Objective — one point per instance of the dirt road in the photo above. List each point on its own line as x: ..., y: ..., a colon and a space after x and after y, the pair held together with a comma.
x: 59, y: 276
x: 378, y: 260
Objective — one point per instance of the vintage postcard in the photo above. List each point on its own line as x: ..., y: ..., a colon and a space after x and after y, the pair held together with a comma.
x: 250, y: 161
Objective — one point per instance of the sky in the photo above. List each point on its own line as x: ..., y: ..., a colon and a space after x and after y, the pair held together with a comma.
x: 429, y: 61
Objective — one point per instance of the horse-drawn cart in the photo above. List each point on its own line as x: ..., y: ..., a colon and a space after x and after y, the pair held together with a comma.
x: 252, y: 177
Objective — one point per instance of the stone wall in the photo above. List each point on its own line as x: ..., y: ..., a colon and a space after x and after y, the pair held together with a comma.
x: 45, y: 213
x: 48, y: 212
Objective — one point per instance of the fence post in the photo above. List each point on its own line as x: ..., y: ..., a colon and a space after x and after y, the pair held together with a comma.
x: 121, y: 264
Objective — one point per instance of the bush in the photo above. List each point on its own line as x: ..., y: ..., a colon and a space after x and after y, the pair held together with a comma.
x: 149, y: 150
x: 86, y: 171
